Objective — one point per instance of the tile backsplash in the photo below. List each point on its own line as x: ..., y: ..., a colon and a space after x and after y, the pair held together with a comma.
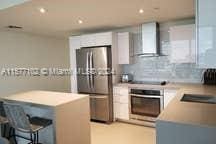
x: 160, y: 68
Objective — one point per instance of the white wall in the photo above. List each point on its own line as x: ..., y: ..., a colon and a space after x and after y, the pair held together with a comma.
x: 26, y: 50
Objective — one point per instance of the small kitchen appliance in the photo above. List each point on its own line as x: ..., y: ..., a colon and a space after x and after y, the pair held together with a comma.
x: 125, y: 78
x: 209, y: 77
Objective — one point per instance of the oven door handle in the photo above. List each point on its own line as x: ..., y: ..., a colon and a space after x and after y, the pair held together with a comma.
x: 146, y: 96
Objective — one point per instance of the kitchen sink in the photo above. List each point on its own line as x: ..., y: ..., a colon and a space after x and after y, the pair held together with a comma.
x: 199, y: 98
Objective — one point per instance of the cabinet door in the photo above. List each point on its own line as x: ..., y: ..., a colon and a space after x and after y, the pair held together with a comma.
x: 87, y: 40
x: 123, y: 111
x: 124, y: 95
x: 206, y: 33
x: 74, y: 43
x: 182, y: 39
x: 123, y: 48
x: 116, y: 109
x: 103, y: 39
x: 121, y: 100
x: 98, y: 39
x: 169, y: 94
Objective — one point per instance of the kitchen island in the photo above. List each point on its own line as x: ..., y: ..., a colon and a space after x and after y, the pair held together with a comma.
x: 69, y: 113
x: 188, y: 122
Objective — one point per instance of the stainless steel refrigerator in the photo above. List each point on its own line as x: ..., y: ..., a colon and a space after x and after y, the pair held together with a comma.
x: 94, y: 78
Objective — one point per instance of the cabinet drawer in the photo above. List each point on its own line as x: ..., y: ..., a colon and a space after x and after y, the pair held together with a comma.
x: 120, y: 91
x: 121, y: 99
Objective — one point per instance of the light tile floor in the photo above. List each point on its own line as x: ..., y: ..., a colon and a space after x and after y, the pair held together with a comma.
x: 121, y: 133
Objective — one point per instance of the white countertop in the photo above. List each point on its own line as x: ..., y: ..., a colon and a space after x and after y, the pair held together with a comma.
x: 46, y: 98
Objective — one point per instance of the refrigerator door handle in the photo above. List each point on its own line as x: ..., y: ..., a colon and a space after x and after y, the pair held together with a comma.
x: 87, y: 70
x: 92, y: 72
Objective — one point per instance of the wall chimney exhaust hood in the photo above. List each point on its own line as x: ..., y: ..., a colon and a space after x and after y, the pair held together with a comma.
x: 150, y: 41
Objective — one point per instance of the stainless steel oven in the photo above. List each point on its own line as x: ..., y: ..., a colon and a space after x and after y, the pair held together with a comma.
x: 146, y: 104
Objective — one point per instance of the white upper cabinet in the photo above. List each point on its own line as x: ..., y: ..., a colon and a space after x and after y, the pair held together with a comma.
x: 74, y: 43
x: 103, y: 39
x: 182, y: 40
x: 98, y: 39
x: 87, y: 40
x: 206, y: 33
x: 125, y: 48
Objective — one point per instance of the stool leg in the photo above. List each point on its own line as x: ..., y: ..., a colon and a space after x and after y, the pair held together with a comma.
x: 31, y: 139
x: 14, y: 135
x: 37, y: 137
x: 4, y: 130
x: 10, y: 135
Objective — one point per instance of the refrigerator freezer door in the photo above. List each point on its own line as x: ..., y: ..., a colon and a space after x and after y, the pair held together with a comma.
x: 83, y: 79
x: 92, y: 108
x: 99, y: 107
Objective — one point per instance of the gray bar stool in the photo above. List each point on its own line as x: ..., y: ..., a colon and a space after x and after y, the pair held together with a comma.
x: 3, y: 118
x: 19, y: 121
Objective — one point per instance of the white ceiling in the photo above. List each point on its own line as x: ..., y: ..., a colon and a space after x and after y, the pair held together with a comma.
x: 62, y: 15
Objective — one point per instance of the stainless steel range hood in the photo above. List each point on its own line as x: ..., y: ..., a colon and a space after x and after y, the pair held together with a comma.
x: 150, y: 40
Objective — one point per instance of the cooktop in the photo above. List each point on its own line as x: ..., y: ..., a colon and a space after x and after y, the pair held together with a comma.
x: 150, y: 82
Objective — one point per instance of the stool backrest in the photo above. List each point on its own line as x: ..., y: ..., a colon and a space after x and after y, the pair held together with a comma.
x: 17, y: 117
x: 2, y: 111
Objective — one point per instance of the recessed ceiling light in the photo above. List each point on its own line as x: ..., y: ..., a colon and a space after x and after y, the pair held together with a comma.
x: 141, y: 11
x: 42, y: 10
x: 80, y: 21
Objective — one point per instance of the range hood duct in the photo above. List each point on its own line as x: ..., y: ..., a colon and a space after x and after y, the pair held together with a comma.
x: 150, y: 41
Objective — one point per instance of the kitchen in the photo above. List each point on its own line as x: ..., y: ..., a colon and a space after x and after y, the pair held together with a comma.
x: 135, y: 74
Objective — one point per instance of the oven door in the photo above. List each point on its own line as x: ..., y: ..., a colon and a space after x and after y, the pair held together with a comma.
x: 145, y: 107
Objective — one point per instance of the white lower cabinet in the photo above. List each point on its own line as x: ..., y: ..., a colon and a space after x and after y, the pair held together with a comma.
x: 121, y: 100
x: 169, y: 94
x: 124, y: 111
x: 121, y: 111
